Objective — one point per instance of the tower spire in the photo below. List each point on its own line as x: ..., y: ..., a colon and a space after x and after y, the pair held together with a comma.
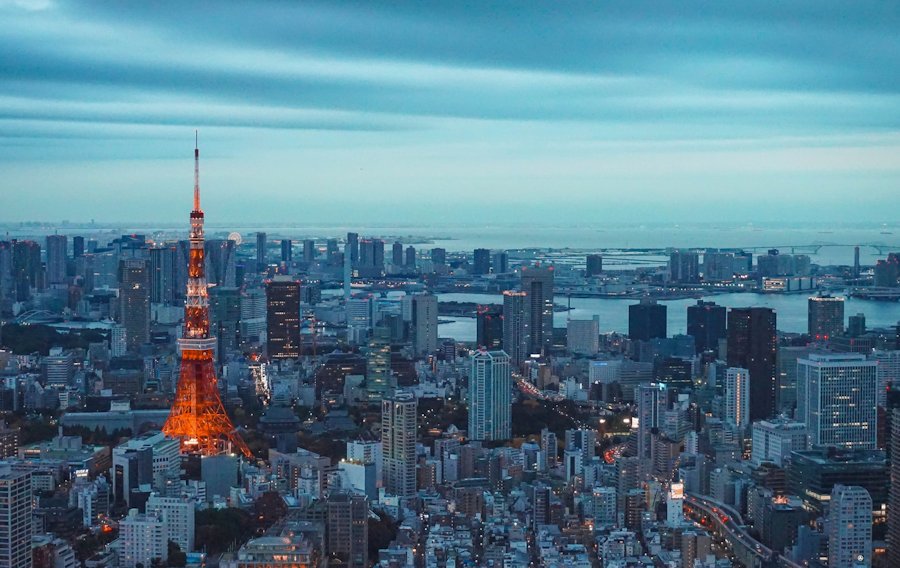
x: 196, y: 171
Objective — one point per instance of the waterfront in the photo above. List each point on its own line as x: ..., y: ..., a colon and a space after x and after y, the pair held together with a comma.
x: 791, y: 310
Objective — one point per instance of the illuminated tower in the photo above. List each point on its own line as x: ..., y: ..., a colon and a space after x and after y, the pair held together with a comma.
x: 198, y: 417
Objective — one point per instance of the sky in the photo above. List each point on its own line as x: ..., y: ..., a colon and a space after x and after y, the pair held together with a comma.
x: 451, y: 112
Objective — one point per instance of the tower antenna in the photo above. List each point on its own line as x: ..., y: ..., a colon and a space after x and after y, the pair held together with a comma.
x: 196, y: 171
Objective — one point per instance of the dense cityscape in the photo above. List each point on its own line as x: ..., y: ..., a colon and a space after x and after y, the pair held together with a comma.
x: 449, y: 284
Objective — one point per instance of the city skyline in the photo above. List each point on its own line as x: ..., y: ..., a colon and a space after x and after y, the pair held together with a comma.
x: 395, y: 112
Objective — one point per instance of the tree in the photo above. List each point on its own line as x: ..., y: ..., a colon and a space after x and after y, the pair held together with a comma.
x: 177, y: 558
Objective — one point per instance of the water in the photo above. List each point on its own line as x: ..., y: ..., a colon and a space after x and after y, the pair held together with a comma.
x: 790, y: 309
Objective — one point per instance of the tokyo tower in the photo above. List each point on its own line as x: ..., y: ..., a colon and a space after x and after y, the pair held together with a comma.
x: 198, y: 417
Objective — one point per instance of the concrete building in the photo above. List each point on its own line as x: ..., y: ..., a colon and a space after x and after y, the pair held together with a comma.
x: 825, y: 317
x: 398, y: 443
x: 849, y: 527
x: 490, y: 397
x: 774, y: 440
x: 142, y: 538
x: 16, y: 525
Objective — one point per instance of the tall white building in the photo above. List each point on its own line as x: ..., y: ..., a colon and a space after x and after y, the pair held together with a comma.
x: 398, y: 444
x: 142, y: 537
x: 888, y: 373
x: 774, y: 440
x: 490, y: 398
x: 16, y: 525
x: 652, y: 401
x: 737, y: 397
x: 605, y: 503
x: 836, y: 399
x: 849, y: 527
x: 583, y: 336
x: 179, y: 515
x: 166, y: 454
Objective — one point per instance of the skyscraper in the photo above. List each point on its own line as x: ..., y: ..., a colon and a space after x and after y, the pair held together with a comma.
x: 706, y: 323
x: 57, y: 258
x: 594, y: 265
x: 515, y: 326
x: 353, y: 243
x: 684, y: 267
x: 537, y: 282
x: 398, y: 444
x: 439, y: 256
x: 489, y: 327
x: 378, y: 364
x: 77, y: 246
x: 261, y: 259
x: 849, y: 527
x: 221, y: 262
x: 893, y: 518
x: 425, y: 323
x: 347, y: 529
x: 652, y: 402
x: 162, y: 275
x: 490, y: 399
x: 134, y: 302
x: 737, y: 397
x: 410, y: 256
x: 283, y: 318
x: 397, y: 254
x: 500, y: 262
x: 826, y: 317
x: 16, y: 524
x: 287, y: 250
x: 481, y: 261
x: 752, y: 345
x: 646, y: 320
x: 309, y: 251
x: 836, y: 396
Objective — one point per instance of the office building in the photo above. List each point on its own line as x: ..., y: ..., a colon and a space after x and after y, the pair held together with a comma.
x: 77, y: 246
x: 490, y: 397
x: 397, y: 254
x: 775, y: 439
x: 849, y: 527
x: 220, y: 262
x: 813, y: 473
x: 893, y: 508
x: 410, y: 257
x: 398, y: 444
x: 310, y: 252
x: 481, y: 261
x: 549, y: 448
x: 179, y: 515
x: 347, y: 529
x: 737, y: 397
x: 353, y: 246
x: 646, y: 320
x: 142, y: 538
x: 489, y: 327
x: 287, y: 251
x: 134, y: 302
x: 515, y: 326
x: 856, y: 325
x: 371, y: 258
x: 752, y: 344
x: 825, y: 317
x: 16, y: 524
x: 439, y: 256
x: 652, y: 402
x: 537, y: 283
x: 425, y: 323
x: 836, y: 399
x: 583, y: 336
x: 162, y: 275
x: 57, y: 258
x: 283, y: 318
x: 684, y: 267
x: 706, y: 324
x: 584, y: 442
x: 379, y: 381
x: 500, y: 262
x: 261, y: 249
x: 719, y: 266
x: 594, y: 265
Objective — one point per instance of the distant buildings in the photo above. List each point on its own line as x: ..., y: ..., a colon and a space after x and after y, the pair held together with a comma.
x: 261, y: 252
x: 489, y: 327
x: 516, y: 328
x: 826, y: 317
x: 646, y: 320
x: 684, y: 267
x: 481, y: 261
x: 283, y: 318
x: 537, y: 283
x: 594, y: 265
x: 134, y: 302
x: 583, y: 336
x: 425, y: 323
x: 706, y: 323
x: 490, y: 402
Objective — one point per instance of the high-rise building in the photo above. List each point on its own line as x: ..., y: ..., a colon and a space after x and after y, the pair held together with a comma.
x: 583, y: 336
x: 836, y: 400
x: 410, y: 256
x: 646, y: 320
x: 752, y: 345
x: 142, y: 539
x: 77, y: 246
x: 16, y: 524
x: 398, y: 443
x: 549, y: 448
x: 353, y: 243
x: 684, y: 267
x: 439, y: 256
x: 347, y: 529
x: 425, y: 323
x: 515, y: 326
x: 489, y: 327
x: 826, y: 317
x: 594, y: 265
x: 179, y: 515
x: 261, y: 259
x: 309, y: 251
x: 221, y: 262
x: 134, y: 302
x: 537, y: 283
x: 28, y: 274
x: 856, y: 325
x: 849, y: 527
x: 162, y: 275
x: 893, y: 515
x: 57, y: 257
x: 652, y: 402
x: 371, y: 258
x: 719, y: 266
x: 490, y: 396
x: 378, y: 365
x: 397, y: 254
x: 287, y: 251
x: 500, y: 262
x: 774, y: 440
x: 584, y: 441
x: 737, y: 397
x: 706, y: 324
x: 283, y: 318
x: 481, y: 261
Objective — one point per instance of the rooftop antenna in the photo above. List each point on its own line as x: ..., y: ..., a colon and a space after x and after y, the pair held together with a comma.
x: 196, y: 171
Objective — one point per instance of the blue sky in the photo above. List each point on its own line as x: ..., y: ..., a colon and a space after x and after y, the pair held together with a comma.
x: 444, y: 112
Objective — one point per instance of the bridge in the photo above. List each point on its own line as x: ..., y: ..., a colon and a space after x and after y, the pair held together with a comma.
x: 724, y: 521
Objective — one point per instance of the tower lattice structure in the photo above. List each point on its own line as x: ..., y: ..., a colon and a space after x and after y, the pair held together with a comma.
x: 198, y: 417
